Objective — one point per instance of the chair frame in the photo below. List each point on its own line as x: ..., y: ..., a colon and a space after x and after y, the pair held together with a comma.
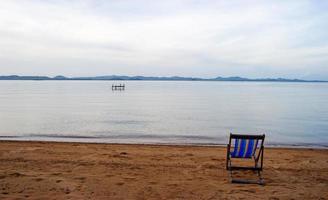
x: 258, y: 158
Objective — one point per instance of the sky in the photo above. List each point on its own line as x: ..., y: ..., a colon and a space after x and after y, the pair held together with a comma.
x: 197, y: 38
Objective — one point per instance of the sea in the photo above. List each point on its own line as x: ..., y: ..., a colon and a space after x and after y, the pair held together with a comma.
x: 164, y: 112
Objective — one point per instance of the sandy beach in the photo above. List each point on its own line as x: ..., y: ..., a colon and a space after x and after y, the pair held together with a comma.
x: 50, y: 170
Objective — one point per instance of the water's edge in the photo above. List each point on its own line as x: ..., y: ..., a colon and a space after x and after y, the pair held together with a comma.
x: 133, y: 142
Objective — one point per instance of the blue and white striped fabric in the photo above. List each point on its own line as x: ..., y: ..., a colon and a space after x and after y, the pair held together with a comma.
x: 244, y: 148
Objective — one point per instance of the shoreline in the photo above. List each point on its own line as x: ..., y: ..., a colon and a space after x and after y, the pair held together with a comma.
x: 273, y: 146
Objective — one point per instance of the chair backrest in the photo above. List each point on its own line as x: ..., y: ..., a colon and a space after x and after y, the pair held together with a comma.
x: 245, y: 145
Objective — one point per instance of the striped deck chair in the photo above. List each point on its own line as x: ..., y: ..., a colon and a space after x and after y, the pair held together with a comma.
x: 246, y: 147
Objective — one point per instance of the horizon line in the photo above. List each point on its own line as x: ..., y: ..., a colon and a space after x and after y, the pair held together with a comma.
x: 142, y: 77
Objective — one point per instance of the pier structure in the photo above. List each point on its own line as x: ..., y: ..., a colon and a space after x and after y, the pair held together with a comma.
x: 118, y: 86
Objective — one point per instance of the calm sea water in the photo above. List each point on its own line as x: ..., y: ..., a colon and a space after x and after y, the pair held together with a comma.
x: 164, y: 112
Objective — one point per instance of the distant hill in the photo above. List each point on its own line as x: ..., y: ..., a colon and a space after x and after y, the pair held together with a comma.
x: 15, y: 77
x: 153, y: 78
x: 236, y: 78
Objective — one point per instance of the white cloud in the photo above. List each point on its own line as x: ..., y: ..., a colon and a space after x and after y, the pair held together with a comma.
x: 191, y: 38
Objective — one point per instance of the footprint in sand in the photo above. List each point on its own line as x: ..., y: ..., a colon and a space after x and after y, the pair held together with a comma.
x: 16, y: 174
x: 81, y: 178
x: 67, y: 190
x: 130, y: 178
x: 38, y: 179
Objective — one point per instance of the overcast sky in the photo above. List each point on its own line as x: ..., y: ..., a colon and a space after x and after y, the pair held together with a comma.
x: 278, y: 38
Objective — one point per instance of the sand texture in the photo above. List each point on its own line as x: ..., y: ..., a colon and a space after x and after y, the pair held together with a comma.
x: 48, y: 170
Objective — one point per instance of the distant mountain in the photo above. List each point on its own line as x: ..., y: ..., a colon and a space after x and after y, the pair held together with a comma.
x: 236, y: 78
x: 153, y: 78
x: 15, y: 77
x: 59, y: 78
x: 138, y: 78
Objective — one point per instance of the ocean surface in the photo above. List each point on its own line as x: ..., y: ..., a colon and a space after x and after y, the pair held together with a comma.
x: 170, y: 112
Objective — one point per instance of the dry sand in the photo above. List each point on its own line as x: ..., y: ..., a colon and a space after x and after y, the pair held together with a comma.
x: 48, y: 170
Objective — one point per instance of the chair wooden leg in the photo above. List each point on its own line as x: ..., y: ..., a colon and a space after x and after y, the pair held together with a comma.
x: 261, y: 180
x: 230, y: 171
x: 230, y: 176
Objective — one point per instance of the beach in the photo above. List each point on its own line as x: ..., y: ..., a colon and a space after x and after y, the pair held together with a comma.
x: 59, y: 170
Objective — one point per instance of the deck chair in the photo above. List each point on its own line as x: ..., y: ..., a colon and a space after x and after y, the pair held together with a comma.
x: 246, y: 147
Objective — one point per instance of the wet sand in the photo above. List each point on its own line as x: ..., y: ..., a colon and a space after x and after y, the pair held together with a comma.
x: 49, y: 170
